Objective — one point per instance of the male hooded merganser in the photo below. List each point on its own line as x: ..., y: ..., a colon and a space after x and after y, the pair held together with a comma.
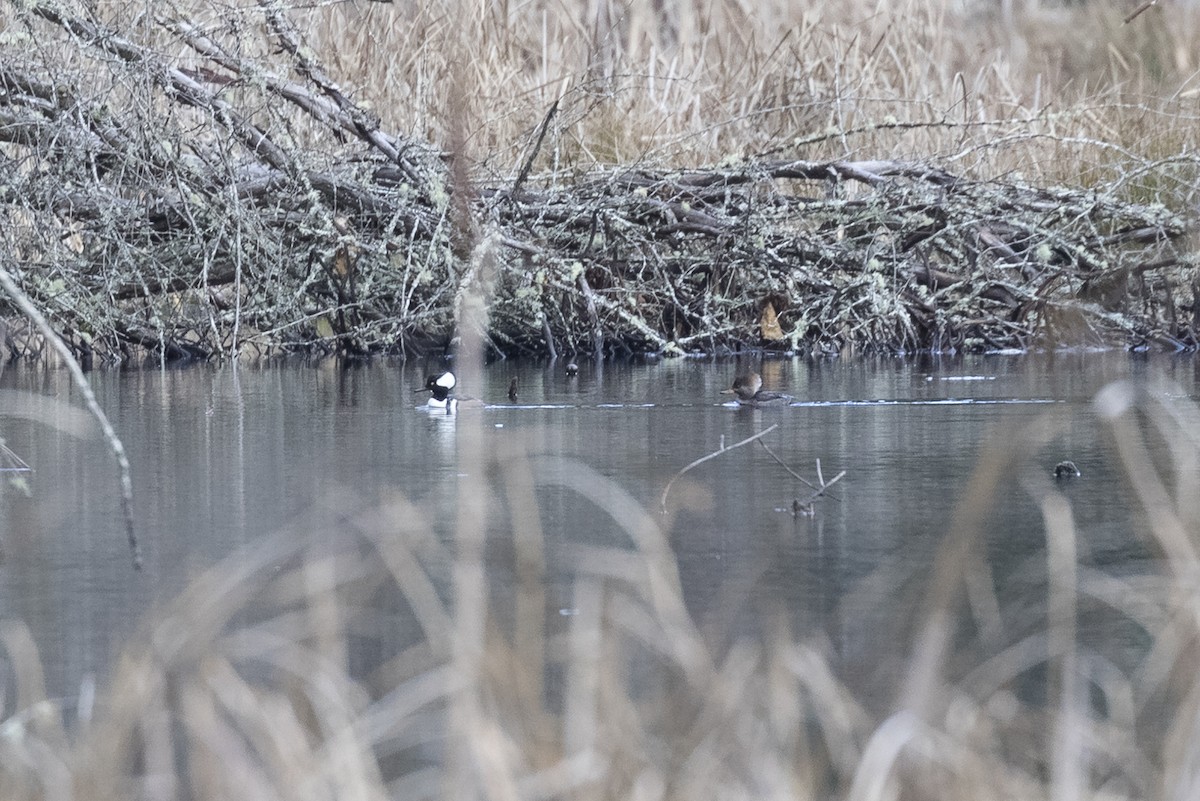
x: 441, y: 386
x: 749, y: 391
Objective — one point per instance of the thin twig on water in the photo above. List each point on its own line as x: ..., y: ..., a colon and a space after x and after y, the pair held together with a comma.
x: 712, y: 455
x: 818, y: 488
x: 10, y: 462
x: 806, y: 506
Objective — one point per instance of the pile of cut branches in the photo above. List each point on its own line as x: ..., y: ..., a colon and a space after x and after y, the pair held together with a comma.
x: 227, y: 208
x: 882, y: 255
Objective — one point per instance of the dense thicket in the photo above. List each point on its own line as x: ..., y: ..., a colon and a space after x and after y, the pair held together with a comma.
x: 237, y: 199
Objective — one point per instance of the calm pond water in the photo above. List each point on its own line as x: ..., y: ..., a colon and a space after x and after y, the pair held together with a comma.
x: 222, y: 457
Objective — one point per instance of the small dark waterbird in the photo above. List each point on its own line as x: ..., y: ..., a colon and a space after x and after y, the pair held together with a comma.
x: 1066, y: 469
x: 749, y: 392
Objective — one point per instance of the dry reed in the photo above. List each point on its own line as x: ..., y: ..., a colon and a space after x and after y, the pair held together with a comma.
x: 1047, y: 93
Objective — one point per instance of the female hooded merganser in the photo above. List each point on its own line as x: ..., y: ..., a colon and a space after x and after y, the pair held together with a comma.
x: 441, y: 386
x: 749, y: 391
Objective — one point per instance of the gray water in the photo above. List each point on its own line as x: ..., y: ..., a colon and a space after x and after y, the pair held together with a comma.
x: 223, y: 457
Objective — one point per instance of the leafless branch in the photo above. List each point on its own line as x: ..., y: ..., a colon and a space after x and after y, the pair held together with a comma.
x: 722, y: 450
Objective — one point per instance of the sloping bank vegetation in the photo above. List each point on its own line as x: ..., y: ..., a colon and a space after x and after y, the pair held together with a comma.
x: 203, y: 180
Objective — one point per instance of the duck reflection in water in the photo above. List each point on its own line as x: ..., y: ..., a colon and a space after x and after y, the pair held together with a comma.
x: 748, y: 389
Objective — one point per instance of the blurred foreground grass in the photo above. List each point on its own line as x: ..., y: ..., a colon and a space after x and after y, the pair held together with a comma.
x: 366, y: 652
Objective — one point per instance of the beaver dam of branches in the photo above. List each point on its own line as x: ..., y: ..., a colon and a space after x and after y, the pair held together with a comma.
x: 242, y: 206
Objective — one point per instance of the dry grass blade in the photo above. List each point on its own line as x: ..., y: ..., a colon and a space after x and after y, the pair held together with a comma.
x: 89, y: 399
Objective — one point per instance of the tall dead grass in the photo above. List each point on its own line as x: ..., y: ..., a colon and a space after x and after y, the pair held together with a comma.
x: 1051, y: 92
x: 365, y: 653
